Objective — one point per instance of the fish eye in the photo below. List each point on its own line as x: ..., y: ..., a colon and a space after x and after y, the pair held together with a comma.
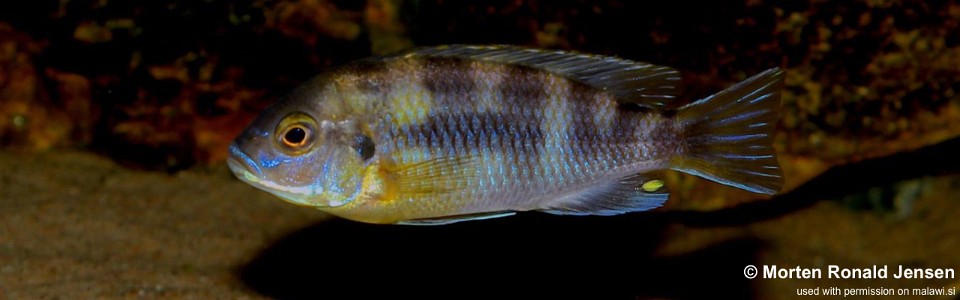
x: 296, y: 136
x: 296, y: 132
x: 365, y: 147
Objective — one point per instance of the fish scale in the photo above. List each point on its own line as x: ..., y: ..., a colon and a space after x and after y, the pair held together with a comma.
x: 530, y: 178
x: 452, y: 133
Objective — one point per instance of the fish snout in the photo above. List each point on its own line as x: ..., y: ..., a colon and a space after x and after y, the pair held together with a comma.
x: 241, y: 164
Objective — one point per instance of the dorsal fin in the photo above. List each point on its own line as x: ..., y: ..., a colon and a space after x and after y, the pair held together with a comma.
x: 630, y: 81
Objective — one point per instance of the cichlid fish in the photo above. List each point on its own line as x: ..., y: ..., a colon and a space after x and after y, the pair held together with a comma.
x: 452, y: 133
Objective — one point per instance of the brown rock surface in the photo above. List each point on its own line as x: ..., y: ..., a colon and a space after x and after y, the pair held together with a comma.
x: 868, y: 141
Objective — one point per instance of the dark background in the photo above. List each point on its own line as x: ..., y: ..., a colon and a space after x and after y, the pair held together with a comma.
x: 158, y: 89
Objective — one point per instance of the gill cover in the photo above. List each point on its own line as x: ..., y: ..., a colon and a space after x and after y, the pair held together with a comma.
x: 303, y: 159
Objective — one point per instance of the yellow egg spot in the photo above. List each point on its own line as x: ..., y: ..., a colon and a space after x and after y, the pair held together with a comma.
x: 652, y: 185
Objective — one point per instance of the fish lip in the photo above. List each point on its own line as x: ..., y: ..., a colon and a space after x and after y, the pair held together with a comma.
x: 241, y: 163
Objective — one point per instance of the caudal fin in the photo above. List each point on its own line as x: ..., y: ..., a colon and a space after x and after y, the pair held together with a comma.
x: 729, y: 135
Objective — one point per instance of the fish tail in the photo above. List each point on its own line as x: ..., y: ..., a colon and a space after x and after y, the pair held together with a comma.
x: 729, y: 135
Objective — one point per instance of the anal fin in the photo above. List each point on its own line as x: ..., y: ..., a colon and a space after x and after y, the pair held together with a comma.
x: 457, y: 218
x: 633, y: 193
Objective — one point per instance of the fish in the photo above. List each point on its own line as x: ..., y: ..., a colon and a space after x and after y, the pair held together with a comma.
x: 444, y: 134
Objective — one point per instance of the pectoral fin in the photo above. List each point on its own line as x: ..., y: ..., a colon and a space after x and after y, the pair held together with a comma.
x: 435, y: 176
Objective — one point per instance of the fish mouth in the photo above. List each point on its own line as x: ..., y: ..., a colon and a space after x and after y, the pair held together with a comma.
x: 247, y: 170
x: 242, y: 164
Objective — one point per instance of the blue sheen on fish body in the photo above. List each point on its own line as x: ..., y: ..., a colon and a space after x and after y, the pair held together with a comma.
x: 466, y: 132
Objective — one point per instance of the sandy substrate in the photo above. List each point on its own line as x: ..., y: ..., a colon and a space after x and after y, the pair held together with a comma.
x: 76, y: 225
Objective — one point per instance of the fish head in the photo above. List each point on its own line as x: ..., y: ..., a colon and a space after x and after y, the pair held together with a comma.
x: 303, y: 156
